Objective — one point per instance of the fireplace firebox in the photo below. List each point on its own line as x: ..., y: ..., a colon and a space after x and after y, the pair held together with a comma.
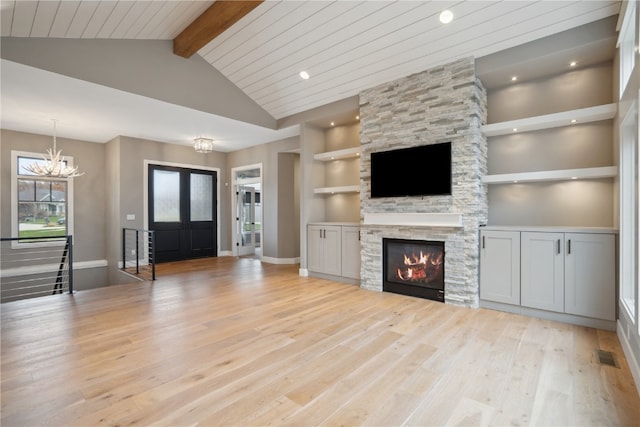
x: 414, y: 268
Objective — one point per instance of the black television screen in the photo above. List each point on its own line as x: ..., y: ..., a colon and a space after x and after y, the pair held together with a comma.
x: 415, y: 171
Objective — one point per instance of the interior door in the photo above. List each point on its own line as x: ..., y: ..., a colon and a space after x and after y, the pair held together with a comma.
x: 246, y: 220
x: 182, y: 212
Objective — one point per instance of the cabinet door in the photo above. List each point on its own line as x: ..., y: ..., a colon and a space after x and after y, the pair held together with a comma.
x: 542, y: 271
x: 314, y: 248
x: 332, y: 250
x: 351, y: 252
x: 590, y: 275
x: 500, y: 266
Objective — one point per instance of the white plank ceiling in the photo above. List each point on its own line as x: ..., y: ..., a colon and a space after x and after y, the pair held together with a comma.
x: 346, y: 46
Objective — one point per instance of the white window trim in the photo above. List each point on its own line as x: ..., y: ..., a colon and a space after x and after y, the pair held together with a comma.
x: 14, y: 202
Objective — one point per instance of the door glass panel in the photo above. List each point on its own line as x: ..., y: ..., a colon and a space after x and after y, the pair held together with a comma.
x: 166, y: 196
x: 201, y: 197
x: 246, y: 220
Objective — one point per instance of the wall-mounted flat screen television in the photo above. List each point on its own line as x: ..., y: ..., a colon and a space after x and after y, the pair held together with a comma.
x: 415, y: 171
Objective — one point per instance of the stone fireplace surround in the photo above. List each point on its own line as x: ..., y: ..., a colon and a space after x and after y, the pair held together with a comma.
x: 446, y: 103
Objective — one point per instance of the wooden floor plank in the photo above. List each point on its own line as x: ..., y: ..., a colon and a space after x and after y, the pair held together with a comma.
x: 233, y: 341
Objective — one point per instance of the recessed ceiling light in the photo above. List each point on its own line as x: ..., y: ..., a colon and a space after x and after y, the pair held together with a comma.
x: 574, y: 121
x: 515, y: 129
x: 515, y: 181
x: 446, y: 16
x: 357, y: 117
x: 574, y: 177
x: 514, y: 78
x: 304, y: 75
x: 573, y: 64
x: 332, y: 124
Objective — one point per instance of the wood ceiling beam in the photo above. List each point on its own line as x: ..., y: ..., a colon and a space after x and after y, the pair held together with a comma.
x: 220, y: 16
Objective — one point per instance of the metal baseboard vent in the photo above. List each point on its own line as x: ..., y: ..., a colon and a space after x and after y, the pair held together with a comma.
x: 606, y: 358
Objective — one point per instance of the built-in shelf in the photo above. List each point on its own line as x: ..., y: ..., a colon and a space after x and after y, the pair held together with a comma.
x: 548, y: 121
x: 336, y: 190
x: 554, y: 175
x: 414, y: 219
x: 345, y: 153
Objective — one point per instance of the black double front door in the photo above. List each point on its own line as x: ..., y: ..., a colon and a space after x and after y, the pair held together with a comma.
x: 182, y: 212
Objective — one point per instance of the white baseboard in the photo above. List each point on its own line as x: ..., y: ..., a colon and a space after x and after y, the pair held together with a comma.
x: 303, y: 272
x: 225, y: 253
x: 272, y: 260
x: 634, y: 367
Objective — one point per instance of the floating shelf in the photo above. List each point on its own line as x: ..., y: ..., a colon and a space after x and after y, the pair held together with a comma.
x: 555, y: 175
x: 336, y: 190
x: 346, y: 153
x: 548, y: 121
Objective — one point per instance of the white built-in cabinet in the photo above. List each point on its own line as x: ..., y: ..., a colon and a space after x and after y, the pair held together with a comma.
x: 542, y: 270
x: 324, y: 249
x: 351, y: 252
x: 500, y: 266
x: 334, y: 250
x: 561, y: 275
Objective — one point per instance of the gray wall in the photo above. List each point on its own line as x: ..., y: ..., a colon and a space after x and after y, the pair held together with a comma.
x: 276, y: 193
x: 587, y: 203
x: 89, y: 196
x: 143, y: 67
x: 125, y: 164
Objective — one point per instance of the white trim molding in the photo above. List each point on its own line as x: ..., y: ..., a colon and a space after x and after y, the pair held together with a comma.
x: 634, y: 367
x: 280, y: 261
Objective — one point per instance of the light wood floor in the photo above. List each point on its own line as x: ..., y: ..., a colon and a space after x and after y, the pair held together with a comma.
x: 232, y: 341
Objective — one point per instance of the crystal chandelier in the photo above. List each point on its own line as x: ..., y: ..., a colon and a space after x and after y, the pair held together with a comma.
x: 53, y: 164
x: 203, y: 145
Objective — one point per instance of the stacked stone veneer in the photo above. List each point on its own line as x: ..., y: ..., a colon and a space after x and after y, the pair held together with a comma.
x: 447, y: 103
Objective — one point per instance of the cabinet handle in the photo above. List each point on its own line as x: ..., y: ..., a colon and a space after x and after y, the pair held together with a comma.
x: 359, y: 235
x: 569, y: 247
x: 558, y: 246
x: 482, y: 242
x: 324, y: 234
x: 321, y: 233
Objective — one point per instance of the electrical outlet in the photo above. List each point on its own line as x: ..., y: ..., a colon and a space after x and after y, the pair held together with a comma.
x: 133, y: 251
x: 131, y: 217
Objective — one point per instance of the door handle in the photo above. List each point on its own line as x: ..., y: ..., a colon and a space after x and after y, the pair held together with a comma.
x: 558, y: 246
x: 569, y: 247
x: 482, y: 242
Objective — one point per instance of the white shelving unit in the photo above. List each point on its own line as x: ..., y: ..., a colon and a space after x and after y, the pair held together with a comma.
x: 337, y: 190
x: 554, y: 175
x: 345, y: 153
x: 549, y: 121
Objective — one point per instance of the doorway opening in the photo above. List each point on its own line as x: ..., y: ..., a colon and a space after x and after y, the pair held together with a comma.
x: 247, y: 216
x: 182, y: 211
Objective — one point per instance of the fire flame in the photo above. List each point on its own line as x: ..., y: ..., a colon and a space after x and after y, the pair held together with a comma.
x: 419, y: 266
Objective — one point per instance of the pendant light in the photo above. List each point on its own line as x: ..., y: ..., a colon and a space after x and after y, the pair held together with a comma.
x: 53, y: 164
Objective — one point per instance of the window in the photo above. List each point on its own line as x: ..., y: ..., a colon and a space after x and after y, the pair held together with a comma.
x: 41, y: 207
x: 626, y: 44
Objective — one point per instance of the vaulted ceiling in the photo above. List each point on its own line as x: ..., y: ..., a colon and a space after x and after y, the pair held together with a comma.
x: 345, y: 46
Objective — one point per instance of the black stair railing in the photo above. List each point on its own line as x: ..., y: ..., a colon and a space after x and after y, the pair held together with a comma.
x: 139, y: 252
x: 36, y: 267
